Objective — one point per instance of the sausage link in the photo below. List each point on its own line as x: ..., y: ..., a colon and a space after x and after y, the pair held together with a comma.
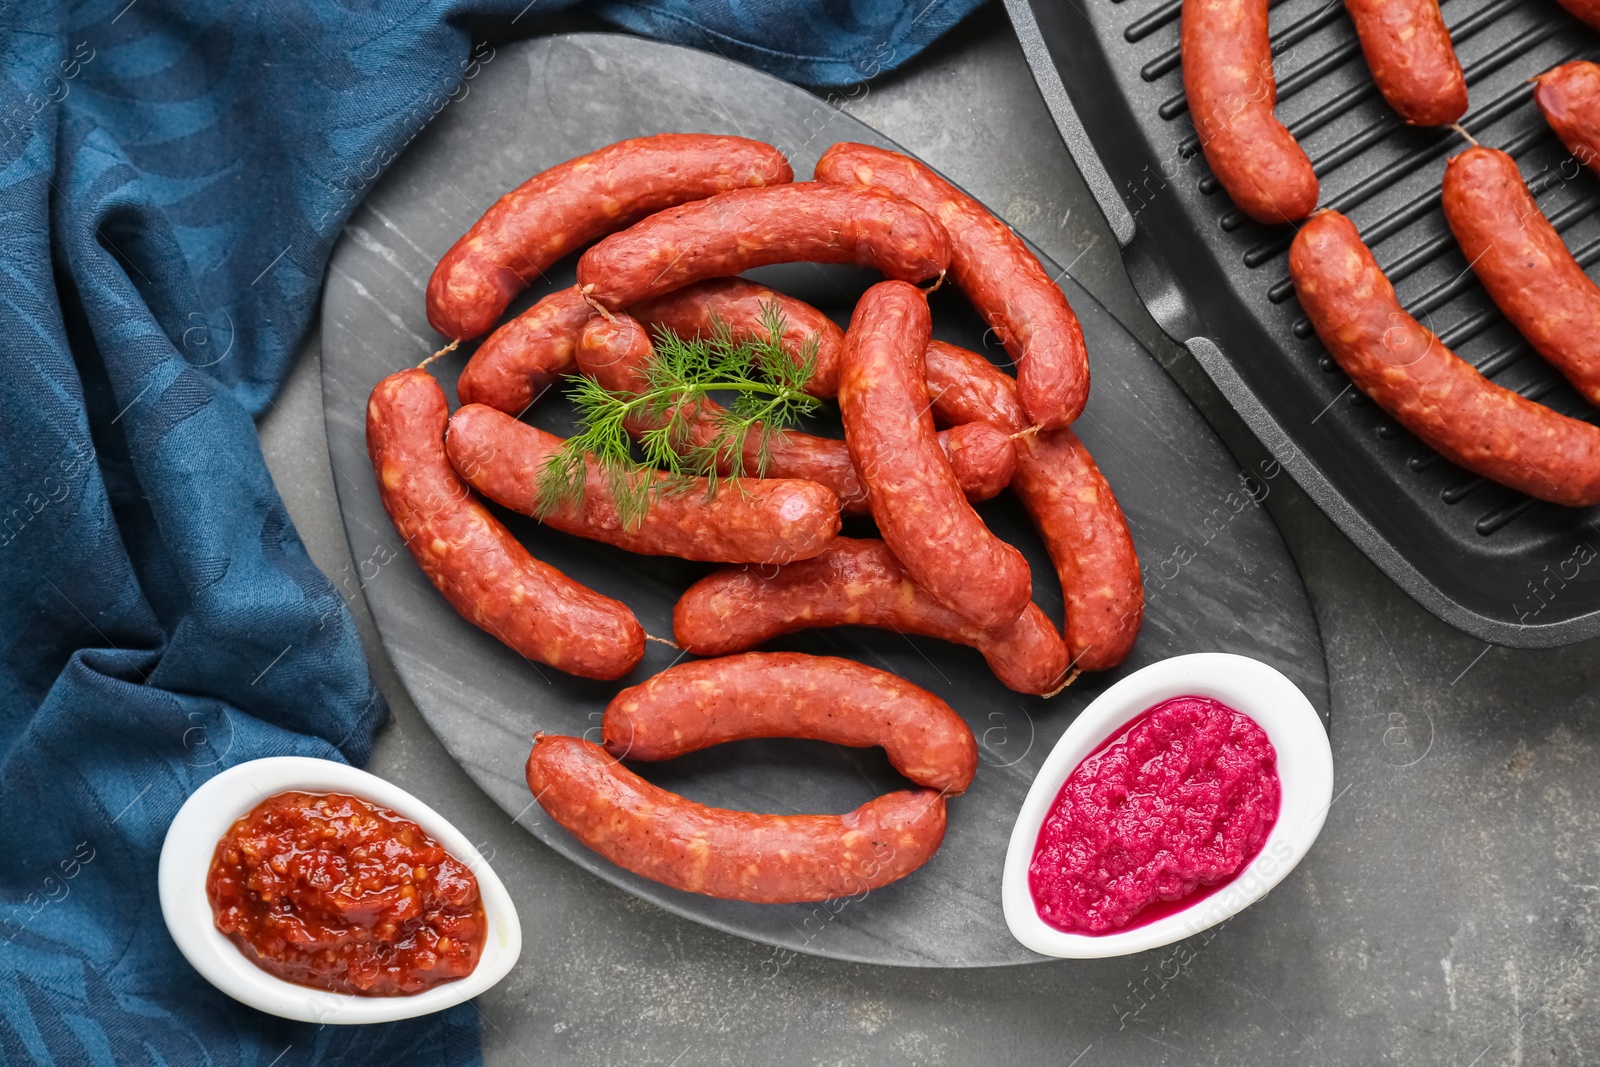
x: 981, y: 457
x: 1005, y: 282
x: 911, y: 490
x: 525, y: 356
x: 1408, y: 48
x: 1069, y: 500
x: 731, y: 855
x: 471, y: 558
x: 558, y: 211
x: 1569, y: 96
x: 1587, y: 10
x: 1520, y: 259
x: 614, y: 353
x: 1427, y: 388
x: 964, y: 386
x: 1227, y: 75
x: 857, y: 582
x: 758, y: 521
x: 739, y: 305
x: 1087, y: 536
x: 786, y: 694
x: 807, y: 222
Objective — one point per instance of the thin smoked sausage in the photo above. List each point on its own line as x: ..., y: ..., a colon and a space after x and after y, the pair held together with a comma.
x: 732, y: 855
x: 1005, y: 282
x: 1587, y: 10
x: 1069, y: 500
x: 471, y: 558
x: 1523, y: 263
x: 808, y: 222
x: 912, y: 492
x: 1569, y: 96
x: 1227, y: 74
x: 1087, y: 536
x: 527, y: 355
x: 1408, y: 48
x: 614, y: 353
x: 767, y: 520
x: 1430, y: 390
x: 857, y: 582
x: 981, y: 456
x: 560, y: 210
x: 787, y: 694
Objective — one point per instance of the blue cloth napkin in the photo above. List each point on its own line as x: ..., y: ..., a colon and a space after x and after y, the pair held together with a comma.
x: 173, y: 174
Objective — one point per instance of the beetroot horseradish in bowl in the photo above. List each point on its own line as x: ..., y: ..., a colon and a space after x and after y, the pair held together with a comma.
x: 1179, y: 797
x: 1166, y: 811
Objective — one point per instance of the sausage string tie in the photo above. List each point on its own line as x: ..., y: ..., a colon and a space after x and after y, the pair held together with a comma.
x: 451, y: 347
x: 1072, y: 676
x: 592, y: 302
x: 1462, y: 130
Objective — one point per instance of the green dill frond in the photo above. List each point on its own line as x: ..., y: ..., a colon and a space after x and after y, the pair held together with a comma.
x: 686, y: 435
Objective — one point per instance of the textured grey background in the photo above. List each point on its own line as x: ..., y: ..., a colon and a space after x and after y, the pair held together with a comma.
x: 1447, y: 915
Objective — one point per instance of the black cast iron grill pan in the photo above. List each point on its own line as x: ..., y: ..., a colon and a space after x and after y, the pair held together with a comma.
x: 1493, y: 562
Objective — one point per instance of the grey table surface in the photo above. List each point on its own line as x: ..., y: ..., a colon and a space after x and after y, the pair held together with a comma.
x: 1447, y: 915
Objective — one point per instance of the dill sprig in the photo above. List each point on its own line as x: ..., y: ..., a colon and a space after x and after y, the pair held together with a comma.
x: 687, y: 435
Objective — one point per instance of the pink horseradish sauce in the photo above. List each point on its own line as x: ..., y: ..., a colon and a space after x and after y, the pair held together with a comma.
x: 1158, y: 817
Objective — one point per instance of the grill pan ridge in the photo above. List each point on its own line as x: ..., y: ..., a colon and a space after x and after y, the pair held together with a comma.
x: 1493, y: 562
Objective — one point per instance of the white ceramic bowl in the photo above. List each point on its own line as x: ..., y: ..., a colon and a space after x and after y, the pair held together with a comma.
x: 186, y: 859
x: 1305, y: 771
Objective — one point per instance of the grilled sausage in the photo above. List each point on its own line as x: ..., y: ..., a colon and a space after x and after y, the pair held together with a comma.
x: 472, y: 559
x: 1069, y: 500
x: 807, y: 222
x: 857, y: 582
x: 739, y: 305
x: 1426, y: 387
x: 1227, y: 74
x: 732, y: 855
x: 615, y: 351
x: 757, y: 521
x: 1408, y: 48
x: 564, y: 208
x: 1569, y: 96
x: 786, y: 694
x: 1587, y: 10
x: 1005, y: 282
x: 912, y: 492
x: 527, y: 355
x: 1520, y: 259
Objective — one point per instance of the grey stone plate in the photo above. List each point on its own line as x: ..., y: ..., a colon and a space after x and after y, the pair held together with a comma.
x: 1218, y: 576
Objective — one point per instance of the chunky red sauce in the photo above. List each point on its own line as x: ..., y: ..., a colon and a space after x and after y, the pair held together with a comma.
x: 332, y: 892
x: 1158, y: 817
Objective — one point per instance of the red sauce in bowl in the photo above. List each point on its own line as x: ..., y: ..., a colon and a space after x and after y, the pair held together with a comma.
x: 332, y: 892
x: 1158, y: 817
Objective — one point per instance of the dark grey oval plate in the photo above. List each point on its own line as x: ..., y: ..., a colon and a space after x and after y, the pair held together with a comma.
x: 1218, y: 576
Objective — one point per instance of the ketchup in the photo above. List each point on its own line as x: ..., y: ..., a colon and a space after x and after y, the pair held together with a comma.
x: 332, y: 892
x: 1157, y: 818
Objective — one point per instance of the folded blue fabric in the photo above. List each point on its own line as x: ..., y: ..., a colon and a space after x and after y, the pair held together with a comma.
x: 172, y: 176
